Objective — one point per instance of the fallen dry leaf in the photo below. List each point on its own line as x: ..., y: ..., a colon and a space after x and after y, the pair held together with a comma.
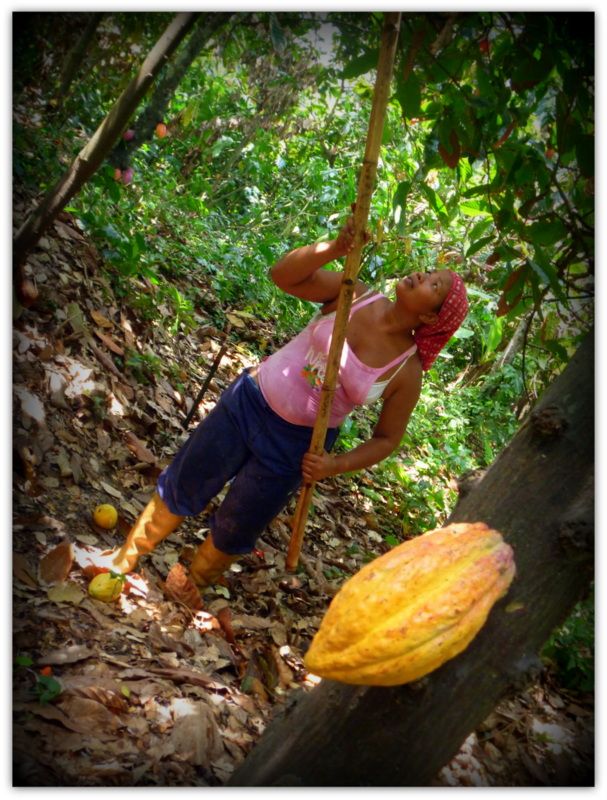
x: 75, y: 318
x: 31, y: 405
x: 22, y: 571
x: 109, y: 342
x: 138, y: 448
x: 88, y: 715
x: 56, y: 565
x: 104, y: 322
x: 180, y: 588
x: 68, y: 592
x: 159, y: 640
x: 110, y: 489
x: 196, y: 736
x: 113, y: 701
x: 66, y: 655
x: 225, y: 620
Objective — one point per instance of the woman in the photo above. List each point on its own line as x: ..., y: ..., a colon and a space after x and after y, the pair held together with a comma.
x: 259, y: 433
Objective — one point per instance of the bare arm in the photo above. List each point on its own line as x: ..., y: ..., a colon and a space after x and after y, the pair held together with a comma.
x: 398, y: 405
x: 300, y: 272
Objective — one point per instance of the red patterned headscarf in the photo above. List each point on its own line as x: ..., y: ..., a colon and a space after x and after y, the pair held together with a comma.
x: 430, y: 339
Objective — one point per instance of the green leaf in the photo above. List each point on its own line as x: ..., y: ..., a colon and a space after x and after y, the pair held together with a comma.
x: 532, y: 70
x: 543, y: 263
x: 474, y: 191
x: 279, y: 40
x: 47, y: 688
x: 361, y: 65
x: 463, y: 333
x: 409, y: 95
x: 479, y: 229
x: 584, y: 152
x: 494, y: 335
x: 475, y: 209
x: 478, y: 245
x: 434, y: 199
x: 23, y: 661
x: 399, y: 205
x: 547, y: 232
x: 114, y: 190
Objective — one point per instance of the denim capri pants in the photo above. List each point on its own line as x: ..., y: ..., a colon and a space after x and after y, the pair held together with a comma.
x: 241, y: 440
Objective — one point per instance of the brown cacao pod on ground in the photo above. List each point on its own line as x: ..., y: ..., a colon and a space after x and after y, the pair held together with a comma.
x: 410, y: 610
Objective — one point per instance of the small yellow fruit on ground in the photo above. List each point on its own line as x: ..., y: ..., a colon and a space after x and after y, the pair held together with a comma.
x: 105, y: 516
x: 107, y: 586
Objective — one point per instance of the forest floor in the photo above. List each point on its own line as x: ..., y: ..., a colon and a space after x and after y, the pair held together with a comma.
x: 142, y: 691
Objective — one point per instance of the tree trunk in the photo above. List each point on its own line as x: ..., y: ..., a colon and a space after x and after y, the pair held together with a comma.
x: 155, y: 110
x: 76, y: 57
x: 92, y: 155
x: 513, y: 347
x: 540, y: 494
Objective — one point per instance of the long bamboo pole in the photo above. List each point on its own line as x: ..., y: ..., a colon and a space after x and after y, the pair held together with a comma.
x: 366, y: 183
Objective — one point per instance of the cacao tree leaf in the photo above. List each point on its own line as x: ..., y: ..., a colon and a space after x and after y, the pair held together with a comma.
x: 550, y: 273
x: 475, y: 209
x: 512, y: 290
x: 478, y: 245
x: 584, y: 152
x: 493, y: 336
x: 547, y: 232
x: 361, y: 64
x: 463, y: 333
x: 566, y: 127
x: 479, y: 228
x: 409, y: 95
x: 113, y: 188
x: 279, y: 40
x: 399, y: 205
x: 434, y: 200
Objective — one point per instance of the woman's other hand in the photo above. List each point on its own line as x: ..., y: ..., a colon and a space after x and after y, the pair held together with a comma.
x: 316, y: 467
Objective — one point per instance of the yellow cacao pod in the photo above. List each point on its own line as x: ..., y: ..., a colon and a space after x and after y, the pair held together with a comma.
x: 410, y: 610
x: 106, y: 516
x: 106, y: 586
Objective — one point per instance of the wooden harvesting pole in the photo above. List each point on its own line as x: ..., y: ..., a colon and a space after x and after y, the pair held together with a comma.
x: 366, y: 183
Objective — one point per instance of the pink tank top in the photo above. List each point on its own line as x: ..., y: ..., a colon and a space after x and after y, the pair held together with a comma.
x: 291, y: 378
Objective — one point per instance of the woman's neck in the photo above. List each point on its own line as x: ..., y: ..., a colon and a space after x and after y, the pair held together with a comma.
x: 394, y: 319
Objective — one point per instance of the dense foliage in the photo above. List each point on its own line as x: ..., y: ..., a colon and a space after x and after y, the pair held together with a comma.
x: 487, y: 165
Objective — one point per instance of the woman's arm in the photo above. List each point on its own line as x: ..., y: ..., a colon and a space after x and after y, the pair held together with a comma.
x: 299, y: 272
x: 396, y: 410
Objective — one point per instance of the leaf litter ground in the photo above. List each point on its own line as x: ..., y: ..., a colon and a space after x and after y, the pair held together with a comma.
x: 143, y: 691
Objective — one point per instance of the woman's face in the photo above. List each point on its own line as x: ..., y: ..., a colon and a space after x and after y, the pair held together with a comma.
x: 424, y: 292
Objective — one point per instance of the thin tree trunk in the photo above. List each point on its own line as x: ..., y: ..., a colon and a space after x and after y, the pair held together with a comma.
x: 155, y: 110
x: 366, y: 185
x: 95, y: 151
x: 540, y: 494
x: 76, y: 57
x: 513, y: 346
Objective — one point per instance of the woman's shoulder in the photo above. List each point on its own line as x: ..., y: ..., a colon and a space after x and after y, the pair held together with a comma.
x: 407, y: 381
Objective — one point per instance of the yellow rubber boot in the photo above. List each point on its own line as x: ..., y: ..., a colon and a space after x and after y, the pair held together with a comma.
x: 153, y: 525
x: 209, y: 563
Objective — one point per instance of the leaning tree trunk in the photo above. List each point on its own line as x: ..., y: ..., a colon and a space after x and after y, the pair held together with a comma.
x: 76, y: 58
x: 154, y: 111
x: 540, y: 494
x: 92, y: 155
